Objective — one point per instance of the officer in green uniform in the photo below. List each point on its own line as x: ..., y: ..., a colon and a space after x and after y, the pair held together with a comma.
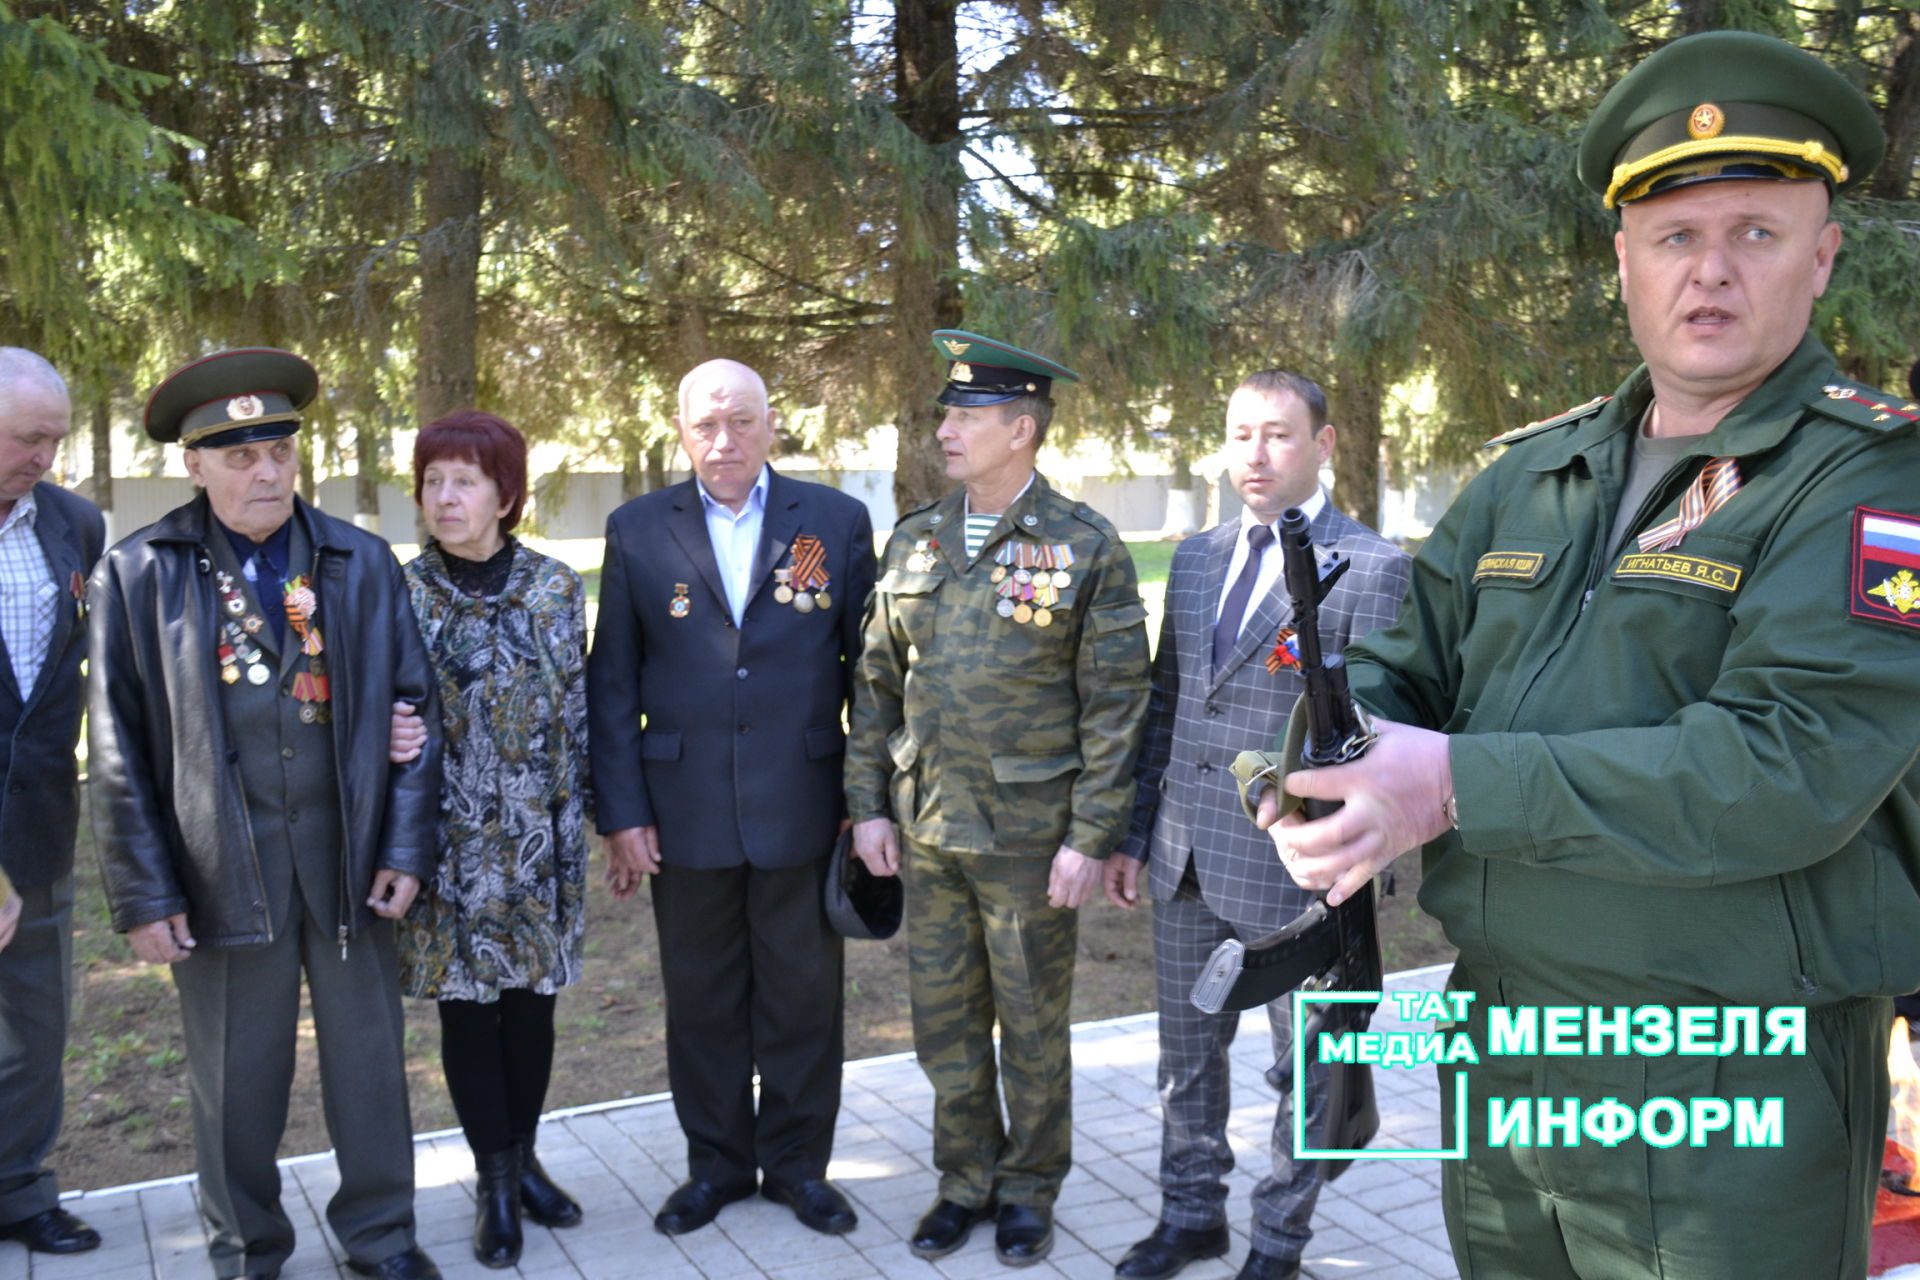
x: 995, y: 723
x: 1651, y: 710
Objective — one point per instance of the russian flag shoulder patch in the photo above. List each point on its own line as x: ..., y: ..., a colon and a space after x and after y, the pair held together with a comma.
x: 1886, y: 567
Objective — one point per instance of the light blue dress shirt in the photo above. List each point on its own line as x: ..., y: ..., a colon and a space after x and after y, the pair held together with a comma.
x: 736, y: 539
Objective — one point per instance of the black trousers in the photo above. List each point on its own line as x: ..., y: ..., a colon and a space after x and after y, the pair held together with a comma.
x: 35, y: 992
x: 753, y: 980
x: 498, y: 1058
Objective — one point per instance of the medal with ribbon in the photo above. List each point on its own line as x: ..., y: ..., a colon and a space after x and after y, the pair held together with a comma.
x: 237, y: 651
x: 309, y: 686
x: 804, y: 582
x: 1029, y: 579
x: 1045, y: 594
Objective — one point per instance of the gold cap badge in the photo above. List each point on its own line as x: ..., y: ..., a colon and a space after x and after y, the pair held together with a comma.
x: 1706, y: 121
x: 962, y: 373
x: 955, y: 347
x: 244, y: 407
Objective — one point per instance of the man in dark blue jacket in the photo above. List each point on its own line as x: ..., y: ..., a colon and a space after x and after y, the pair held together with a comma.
x: 730, y: 623
x: 49, y: 539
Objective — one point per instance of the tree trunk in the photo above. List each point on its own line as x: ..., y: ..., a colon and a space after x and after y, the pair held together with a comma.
x: 926, y: 293
x: 102, y: 441
x: 1696, y: 16
x: 366, y: 471
x: 1902, y: 118
x: 449, y: 285
x: 1356, y: 445
x: 657, y: 455
x: 1186, y: 501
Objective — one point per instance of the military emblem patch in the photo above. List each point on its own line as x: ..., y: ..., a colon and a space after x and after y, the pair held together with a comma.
x: 1886, y: 567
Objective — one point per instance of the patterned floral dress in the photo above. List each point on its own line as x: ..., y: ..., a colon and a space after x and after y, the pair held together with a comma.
x: 506, y: 908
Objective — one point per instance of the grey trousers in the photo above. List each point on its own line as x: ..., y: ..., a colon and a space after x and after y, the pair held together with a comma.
x: 36, y: 987
x: 1194, y: 1156
x: 241, y: 1009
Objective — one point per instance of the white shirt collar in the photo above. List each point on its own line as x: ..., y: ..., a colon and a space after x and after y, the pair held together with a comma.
x: 25, y: 511
x: 1312, y: 507
x: 756, y: 496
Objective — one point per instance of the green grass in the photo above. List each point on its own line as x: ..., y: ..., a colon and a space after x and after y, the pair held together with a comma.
x: 1151, y: 560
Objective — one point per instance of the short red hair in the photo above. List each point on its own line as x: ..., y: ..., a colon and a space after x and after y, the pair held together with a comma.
x: 492, y: 444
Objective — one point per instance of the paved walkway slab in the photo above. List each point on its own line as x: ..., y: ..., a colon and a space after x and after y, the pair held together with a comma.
x: 1380, y: 1221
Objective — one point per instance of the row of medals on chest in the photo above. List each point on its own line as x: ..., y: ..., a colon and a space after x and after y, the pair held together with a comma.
x: 802, y: 601
x: 1025, y: 577
x: 238, y: 653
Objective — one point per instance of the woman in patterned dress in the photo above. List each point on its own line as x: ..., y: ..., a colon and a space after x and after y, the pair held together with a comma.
x: 497, y: 933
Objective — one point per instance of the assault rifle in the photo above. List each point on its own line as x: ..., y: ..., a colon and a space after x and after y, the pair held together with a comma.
x: 1325, y: 948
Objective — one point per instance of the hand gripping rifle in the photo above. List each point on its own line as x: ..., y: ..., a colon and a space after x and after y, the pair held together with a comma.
x: 1325, y: 948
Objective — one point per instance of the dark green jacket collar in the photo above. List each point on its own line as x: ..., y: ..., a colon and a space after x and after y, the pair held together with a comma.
x: 1755, y: 425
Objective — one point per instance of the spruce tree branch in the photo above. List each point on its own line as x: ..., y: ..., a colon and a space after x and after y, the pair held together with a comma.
x: 1025, y: 197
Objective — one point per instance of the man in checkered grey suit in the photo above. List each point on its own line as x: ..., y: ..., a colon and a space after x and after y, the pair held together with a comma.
x: 1218, y: 689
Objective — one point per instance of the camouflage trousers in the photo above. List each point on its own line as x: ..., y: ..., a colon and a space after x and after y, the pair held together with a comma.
x: 984, y: 946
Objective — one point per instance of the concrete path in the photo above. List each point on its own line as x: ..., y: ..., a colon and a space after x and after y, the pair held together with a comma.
x: 1381, y: 1220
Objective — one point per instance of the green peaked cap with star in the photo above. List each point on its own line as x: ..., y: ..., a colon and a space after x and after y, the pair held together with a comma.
x: 1729, y: 105
x: 987, y: 371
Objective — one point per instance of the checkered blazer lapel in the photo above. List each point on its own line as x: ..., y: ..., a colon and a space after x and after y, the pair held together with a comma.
x: 1265, y: 614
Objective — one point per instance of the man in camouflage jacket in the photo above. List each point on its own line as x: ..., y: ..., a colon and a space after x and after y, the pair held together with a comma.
x: 996, y: 719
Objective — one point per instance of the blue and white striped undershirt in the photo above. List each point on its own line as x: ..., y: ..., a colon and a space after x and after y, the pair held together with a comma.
x: 977, y: 527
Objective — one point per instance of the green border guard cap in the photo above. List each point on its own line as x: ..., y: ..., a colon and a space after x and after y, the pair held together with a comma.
x: 232, y: 397
x: 987, y: 371
x: 1728, y: 104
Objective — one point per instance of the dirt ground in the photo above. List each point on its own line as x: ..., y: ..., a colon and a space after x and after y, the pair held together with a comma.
x: 127, y: 1109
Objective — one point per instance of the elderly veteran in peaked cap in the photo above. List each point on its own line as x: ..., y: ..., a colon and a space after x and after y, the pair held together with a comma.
x: 1649, y: 709
x: 247, y: 650
x: 997, y: 714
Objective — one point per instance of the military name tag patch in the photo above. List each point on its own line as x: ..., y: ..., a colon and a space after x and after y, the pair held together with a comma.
x: 1886, y: 567
x: 1664, y: 564
x: 1508, y: 564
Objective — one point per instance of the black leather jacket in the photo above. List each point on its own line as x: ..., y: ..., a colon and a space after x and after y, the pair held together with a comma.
x: 168, y: 810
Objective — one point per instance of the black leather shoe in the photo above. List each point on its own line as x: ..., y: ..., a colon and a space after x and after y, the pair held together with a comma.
x: 410, y: 1264
x: 496, y: 1209
x: 1264, y: 1266
x: 816, y: 1202
x: 1171, y: 1248
x: 1024, y: 1234
x: 694, y: 1204
x: 543, y: 1202
x: 945, y: 1227
x: 52, y: 1231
